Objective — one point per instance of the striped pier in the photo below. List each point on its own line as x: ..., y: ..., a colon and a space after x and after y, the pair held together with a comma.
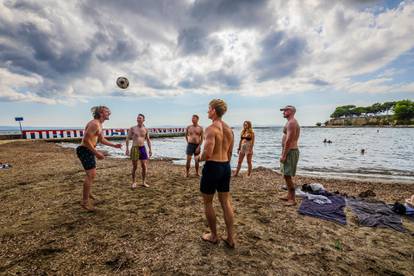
x: 111, y: 133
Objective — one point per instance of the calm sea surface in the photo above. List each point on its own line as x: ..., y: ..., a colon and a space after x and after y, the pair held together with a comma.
x: 389, y: 152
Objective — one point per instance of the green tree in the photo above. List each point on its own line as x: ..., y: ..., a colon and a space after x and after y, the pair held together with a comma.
x: 343, y: 111
x: 376, y: 108
x: 387, y: 106
x: 404, y: 110
x: 318, y: 124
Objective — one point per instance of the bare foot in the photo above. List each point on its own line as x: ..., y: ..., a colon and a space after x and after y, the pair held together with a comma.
x: 88, y: 207
x: 208, y: 237
x: 290, y: 203
x: 134, y: 185
x: 145, y: 185
x: 229, y: 244
x: 91, y: 196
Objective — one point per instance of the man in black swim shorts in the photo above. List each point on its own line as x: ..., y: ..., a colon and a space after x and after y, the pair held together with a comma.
x: 194, y: 138
x: 216, y: 172
x: 87, y: 151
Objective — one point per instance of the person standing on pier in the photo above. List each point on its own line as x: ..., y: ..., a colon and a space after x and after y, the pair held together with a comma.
x: 87, y: 151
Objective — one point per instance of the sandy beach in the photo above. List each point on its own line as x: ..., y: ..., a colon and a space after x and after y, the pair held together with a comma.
x: 156, y: 230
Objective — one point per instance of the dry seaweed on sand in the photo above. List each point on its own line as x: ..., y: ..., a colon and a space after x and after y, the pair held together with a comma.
x: 156, y: 231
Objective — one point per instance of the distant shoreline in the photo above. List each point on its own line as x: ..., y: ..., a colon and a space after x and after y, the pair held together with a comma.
x: 366, y: 126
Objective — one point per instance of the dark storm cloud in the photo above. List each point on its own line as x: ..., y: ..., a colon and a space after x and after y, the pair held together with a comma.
x: 193, y: 41
x: 192, y: 81
x: 224, y: 79
x: 216, y: 78
x: 319, y: 82
x: 280, y: 56
x: 206, y: 17
x: 153, y: 82
x: 236, y: 13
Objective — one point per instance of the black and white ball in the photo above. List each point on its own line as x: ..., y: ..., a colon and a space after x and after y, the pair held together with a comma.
x: 122, y: 82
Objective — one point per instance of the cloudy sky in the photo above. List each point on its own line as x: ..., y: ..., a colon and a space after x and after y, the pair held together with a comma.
x: 59, y: 58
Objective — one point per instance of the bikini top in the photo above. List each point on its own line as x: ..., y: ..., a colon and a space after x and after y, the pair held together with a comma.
x: 246, y: 138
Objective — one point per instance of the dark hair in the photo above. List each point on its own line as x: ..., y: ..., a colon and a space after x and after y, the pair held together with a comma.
x: 195, y: 115
x: 141, y: 115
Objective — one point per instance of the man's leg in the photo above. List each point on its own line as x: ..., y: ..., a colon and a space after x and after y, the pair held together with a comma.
x: 211, y: 218
x: 241, y: 157
x: 291, y: 190
x: 197, y: 165
x: 134, y: 170
x: 187, y: 166
x: 225, y: 201
x: 89, y: 178
x: 144, y: 166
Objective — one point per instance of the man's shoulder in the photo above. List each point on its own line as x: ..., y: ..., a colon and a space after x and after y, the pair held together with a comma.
x: 92, y: 123
x: 292, y: 122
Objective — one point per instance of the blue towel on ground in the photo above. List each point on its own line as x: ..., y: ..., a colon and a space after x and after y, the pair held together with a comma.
x: 375, y: 214
x: 333, y: 212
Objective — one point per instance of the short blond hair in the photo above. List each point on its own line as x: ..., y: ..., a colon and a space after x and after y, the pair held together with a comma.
x: 96, y: 111
x: 219, y: 106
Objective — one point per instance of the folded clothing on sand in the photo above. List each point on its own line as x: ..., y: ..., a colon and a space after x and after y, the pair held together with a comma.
x: 5, y: 166
x: 319, y: 199
x: 375, y: 214
x: 333, y: 211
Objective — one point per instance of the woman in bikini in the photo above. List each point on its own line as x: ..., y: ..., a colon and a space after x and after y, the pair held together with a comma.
x: 246, y: 147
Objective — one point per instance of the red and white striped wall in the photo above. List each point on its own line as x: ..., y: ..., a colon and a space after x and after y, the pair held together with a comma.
x: 78, y: 133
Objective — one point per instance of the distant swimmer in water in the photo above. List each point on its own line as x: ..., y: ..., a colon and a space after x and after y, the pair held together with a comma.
x: 87, y: 151
x: 325, y: 141
x: 362, y: 151
x: 246, y: 147
x: 329, y: 142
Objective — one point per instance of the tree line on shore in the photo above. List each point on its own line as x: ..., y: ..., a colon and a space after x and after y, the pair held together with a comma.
x: 402, y: 112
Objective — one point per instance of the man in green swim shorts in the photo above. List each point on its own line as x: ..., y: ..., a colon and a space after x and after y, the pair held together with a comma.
x: 290, y: 152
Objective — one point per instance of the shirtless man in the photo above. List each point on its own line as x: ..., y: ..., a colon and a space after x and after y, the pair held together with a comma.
x: 139, y: 134
x: 87, y: 151
x: 194, y: 138
x: 216, y: 172
x: 290, y: 152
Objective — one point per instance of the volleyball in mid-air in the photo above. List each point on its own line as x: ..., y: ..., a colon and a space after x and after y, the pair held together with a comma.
x: 122, y: 82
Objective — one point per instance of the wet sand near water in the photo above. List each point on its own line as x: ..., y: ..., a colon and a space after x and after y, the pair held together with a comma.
x: 157, y: 230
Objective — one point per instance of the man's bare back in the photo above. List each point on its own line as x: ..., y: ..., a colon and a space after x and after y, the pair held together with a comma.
x: 223, y: 139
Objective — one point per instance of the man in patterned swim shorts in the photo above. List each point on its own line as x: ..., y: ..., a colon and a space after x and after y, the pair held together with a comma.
x: 139, y: 135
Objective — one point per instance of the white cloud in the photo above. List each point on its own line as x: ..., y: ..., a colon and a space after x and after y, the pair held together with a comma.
x: 59, y: 51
